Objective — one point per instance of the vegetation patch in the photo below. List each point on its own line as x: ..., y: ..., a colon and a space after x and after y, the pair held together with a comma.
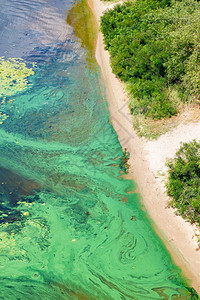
x: 184, y: 181
x: 154, y: 48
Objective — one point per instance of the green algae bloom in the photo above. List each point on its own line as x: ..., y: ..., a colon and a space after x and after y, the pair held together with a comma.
x: 81, y: 18
x: 13, y: 76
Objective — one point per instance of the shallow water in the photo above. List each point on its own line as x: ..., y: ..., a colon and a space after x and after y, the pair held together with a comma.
x: 70, y: 228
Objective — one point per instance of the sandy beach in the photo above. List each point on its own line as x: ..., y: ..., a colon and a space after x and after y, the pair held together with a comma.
x: 147, y: 161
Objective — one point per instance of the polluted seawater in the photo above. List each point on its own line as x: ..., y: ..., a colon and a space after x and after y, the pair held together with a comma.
x: 71, y: 226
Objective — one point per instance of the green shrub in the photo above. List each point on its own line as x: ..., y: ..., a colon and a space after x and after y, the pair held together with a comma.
x: 155, y: 45
x: 184, y: 181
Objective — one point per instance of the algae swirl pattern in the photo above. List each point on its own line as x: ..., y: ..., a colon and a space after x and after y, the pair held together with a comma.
x: 71, y: 226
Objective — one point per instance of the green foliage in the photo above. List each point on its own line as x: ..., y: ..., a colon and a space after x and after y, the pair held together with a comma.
x: 184, y: 181
x: 155, y: 45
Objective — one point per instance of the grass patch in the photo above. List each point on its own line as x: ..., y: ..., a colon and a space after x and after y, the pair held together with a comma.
x: 188, y: 110
x: 151, y: 129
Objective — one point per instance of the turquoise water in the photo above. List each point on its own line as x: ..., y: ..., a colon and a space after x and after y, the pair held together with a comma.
x: 71, y: 226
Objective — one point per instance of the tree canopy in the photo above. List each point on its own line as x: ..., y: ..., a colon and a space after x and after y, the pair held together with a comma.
x: 184, y: 181
x: 154, y: 46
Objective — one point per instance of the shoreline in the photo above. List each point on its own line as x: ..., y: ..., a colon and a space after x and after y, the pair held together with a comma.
x: 177, y: 234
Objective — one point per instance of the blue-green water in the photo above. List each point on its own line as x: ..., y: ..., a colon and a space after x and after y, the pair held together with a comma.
x: 70, y: 228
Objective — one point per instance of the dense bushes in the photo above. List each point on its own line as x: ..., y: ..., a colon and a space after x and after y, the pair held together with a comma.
x: 154, y: 45
x: 184, y: 181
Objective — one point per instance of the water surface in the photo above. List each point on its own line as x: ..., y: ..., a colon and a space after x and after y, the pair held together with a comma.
x: 70, y: 228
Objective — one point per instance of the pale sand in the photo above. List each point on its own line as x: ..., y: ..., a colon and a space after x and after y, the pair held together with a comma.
x: 147, y: 158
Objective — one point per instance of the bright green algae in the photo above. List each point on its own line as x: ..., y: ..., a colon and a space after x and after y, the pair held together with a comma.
x: 67, y: 230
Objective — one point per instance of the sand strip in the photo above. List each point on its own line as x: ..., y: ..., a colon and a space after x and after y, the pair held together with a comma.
x: 146, y: 158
